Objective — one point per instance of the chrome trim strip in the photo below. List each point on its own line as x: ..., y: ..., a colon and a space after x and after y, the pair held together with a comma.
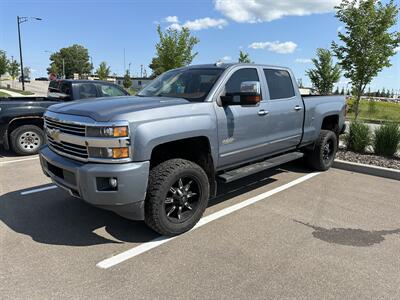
x: 94, y: 142
x: 258, y: 146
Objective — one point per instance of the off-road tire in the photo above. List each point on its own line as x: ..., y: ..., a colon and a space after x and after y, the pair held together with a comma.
x: 37, y: 137
x: 161, y: 179
x: 315, y: 158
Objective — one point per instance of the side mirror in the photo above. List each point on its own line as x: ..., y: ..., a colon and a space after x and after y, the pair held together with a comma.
x: 250, y: 94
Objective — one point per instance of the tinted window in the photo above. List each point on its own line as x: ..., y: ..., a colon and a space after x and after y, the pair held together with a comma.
x: 53, y: 86
x: 87, y: 90
x: 111, y: 91
x: 242, y: 75
x: 65, y: 88
x: 280, y: 84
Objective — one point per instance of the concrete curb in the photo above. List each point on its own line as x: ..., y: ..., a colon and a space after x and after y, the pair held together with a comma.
x: 367, y: 169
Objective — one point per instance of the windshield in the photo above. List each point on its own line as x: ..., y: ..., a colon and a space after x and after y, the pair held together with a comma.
x: 190, y: 84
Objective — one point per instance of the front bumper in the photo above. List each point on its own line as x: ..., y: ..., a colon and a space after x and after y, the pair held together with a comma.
x: 82, y: 181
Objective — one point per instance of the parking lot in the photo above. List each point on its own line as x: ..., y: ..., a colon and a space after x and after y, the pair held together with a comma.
x: 284, y: 233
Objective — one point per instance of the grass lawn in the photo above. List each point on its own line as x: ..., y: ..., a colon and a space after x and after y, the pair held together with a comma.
x: 3, y: 94
x: 26, y: 93
x: 377, y: 112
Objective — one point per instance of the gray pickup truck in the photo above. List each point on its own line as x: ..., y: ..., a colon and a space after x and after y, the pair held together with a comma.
x: 158, y: 156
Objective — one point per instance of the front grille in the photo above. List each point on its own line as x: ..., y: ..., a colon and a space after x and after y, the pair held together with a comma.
x: 67, y: 148
x: 69, y: 128
x: 79, y: 152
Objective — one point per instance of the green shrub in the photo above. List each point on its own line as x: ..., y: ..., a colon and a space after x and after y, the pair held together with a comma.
x: 358, y: 138
x: 387, y: 139
x: 372, y: 107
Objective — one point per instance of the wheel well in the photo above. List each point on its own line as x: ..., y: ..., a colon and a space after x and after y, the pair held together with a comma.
x: 15, y: 123
x: 196, y: 149
x: 331, y: 123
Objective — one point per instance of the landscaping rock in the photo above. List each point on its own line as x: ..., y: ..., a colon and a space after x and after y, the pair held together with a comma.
x: 369, y: 159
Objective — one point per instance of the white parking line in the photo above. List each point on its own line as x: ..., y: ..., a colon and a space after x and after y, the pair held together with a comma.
x: 39, y: 190
x: 18, y: 160
x: 119, y: 258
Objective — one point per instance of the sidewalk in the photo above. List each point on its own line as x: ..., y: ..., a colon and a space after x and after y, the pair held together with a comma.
x: 14, y: 94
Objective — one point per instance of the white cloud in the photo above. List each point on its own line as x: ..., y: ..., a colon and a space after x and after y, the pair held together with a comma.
x: 205, y: 23
x: 171, y: 19
x: 251, y: 11
x: 276, y: 46
x: 175, y: 26
x: 340, y: 28
x: 397, y: 49
x: 226, y: 58
x: 200, y: 24
x: 303, y: 60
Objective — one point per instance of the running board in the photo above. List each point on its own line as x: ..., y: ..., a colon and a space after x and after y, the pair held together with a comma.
x: 245, y: 171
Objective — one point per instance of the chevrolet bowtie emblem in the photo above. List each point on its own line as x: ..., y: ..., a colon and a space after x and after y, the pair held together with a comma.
x: 54, y: 134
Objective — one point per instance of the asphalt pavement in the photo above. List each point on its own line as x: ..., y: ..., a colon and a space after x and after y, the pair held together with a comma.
x: 285, y: 233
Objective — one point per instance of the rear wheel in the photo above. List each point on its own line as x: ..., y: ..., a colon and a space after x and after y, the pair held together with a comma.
x: 26, y: 139
x: 177, y: 196
x: 323, y: 155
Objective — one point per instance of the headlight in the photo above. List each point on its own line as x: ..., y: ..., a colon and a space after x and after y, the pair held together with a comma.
x: 112, y: 153
x: 119, y: 131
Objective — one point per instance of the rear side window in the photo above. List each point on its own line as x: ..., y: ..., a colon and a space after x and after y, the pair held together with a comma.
x: 53, y: 86
x: 65, y: 88
x: 87, y: 90
x: 280, y: 84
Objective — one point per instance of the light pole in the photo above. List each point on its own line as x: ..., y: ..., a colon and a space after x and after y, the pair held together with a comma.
x: 19, y: 21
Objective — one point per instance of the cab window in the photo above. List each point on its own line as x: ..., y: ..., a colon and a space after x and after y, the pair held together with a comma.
x: 87, y: 90
x: 280, y: 84
x: 232, y: 86
x: 111, y: 91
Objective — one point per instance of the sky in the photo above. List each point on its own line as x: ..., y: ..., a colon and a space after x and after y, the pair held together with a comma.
x: 285, y: 32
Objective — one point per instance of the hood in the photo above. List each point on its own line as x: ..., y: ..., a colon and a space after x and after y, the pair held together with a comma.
x: 105, y: 109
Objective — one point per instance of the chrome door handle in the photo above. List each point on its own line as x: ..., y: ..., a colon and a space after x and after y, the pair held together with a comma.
x: 297, y: 107
x: 263, y: 112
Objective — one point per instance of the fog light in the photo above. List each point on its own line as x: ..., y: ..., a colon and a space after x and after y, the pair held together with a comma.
x: 113, y: 182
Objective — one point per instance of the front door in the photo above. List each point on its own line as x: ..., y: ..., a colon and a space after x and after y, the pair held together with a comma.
x: 241, y: 129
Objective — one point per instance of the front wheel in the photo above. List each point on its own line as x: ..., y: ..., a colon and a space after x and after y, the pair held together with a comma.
x: 177, y: 196
x: 324, y: 153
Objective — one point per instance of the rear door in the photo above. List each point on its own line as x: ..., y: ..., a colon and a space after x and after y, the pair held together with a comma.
x: 285, y: 110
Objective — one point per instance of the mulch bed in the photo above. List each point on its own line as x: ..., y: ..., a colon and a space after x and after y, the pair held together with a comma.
x: 369, y: 159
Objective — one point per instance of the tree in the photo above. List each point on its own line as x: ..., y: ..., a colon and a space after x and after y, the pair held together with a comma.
x: 325, y: 74
x: 13, y: 69
x: 366, y: 45
x: 174, y: 50
x: 27, y: 71
x: 127, y: 83
x: 244, y: 57
x: 103, y: 71
x: 337, y: 91
x: 76, y: 60
x: 3, y: 63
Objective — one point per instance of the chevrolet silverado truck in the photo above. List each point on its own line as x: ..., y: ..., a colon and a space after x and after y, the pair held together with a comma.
x: 159, y: 156
x: 21, y: 118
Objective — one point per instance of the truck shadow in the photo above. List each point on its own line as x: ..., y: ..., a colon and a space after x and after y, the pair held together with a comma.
x: 349, y: 236
x: 54, y: 217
